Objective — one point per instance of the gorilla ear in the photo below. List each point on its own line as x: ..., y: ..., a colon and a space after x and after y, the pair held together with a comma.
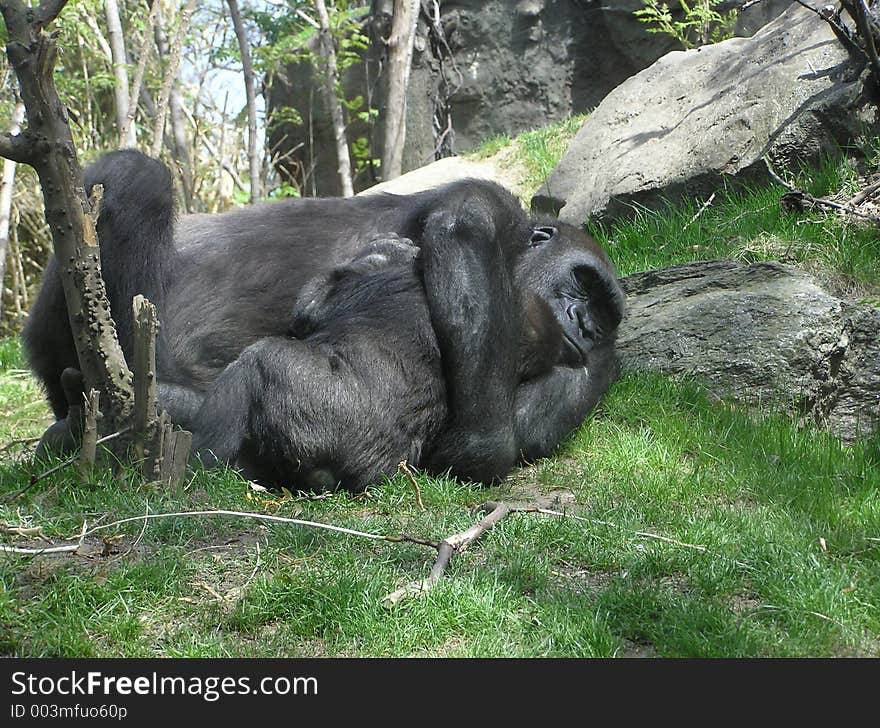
x: 541, y: 235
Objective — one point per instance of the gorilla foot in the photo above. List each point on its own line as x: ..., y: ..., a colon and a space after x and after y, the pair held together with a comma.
x: 64, y: 437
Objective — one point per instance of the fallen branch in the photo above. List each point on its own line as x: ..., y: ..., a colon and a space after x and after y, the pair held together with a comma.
x: 798, y: 200
x: 446, y: 548
x: 865, y: 194
x: 69, y: 548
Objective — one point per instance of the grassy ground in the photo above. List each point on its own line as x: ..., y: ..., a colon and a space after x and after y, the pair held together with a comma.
x: 708, y: 531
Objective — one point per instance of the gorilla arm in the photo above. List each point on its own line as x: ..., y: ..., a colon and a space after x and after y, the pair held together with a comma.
x: 526, y: 355
x: 475, y: 312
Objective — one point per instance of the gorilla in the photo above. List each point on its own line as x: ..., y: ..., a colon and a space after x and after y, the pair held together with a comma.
x: 318, y: 342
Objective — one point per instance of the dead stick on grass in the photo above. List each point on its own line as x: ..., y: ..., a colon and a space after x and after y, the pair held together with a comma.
x: 49, y: 549
x: 702, y: 209
x: 446, y: 548
x: 804, y: 198
x: 412, y: 481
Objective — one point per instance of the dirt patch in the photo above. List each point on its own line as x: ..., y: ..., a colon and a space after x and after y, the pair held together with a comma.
x: 636, y: 650
x: 583, y: 581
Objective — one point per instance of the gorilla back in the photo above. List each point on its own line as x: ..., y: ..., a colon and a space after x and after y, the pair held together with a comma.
x: 492, y: 279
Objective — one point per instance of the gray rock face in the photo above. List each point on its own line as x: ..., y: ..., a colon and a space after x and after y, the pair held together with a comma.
x: 518, y: 64
x: 697, y: 118
x: 761, y: 333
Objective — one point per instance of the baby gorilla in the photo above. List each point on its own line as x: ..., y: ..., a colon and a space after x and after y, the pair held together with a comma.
x: 353, y: 390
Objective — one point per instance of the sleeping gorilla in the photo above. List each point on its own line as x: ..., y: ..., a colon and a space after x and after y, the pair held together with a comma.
x: 519, y: 320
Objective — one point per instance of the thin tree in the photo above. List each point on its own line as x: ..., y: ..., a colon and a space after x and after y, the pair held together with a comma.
x: 171, y: 100
x: 331, y: 78
x: 248, y: 68
x: 6, y: 182
x: 400, y: 52
x: 174, y: 53
x: 46, y: 144
x: 143, y: 57
x: 120, y: 73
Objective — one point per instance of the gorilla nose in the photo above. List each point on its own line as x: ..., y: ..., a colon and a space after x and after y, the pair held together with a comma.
x: 579, y: 311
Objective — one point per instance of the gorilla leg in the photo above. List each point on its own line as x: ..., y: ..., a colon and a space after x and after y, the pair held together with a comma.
x: 65, y: 435
x: 316, y: 417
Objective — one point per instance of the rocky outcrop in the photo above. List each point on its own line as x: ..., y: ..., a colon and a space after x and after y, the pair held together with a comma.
x: 515, y: 65
x: 763, y: 333
x: 699, y: 118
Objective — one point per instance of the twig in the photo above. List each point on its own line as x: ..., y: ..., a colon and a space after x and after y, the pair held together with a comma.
x: 702, y: 209
x: 32, y: 531
x: 865, y: 193
x: 49, y: 549
x: 843, y: 34
x: 22, y: 441
x: 796, y: 198
x: 255, y: 516
x: 70, y: 461
x: 456, y: 543
x: 776, y: 177
x: 412, y: 481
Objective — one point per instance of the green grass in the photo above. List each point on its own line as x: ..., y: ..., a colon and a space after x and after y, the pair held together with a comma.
x: 538, y: 151
x: 702, y: 538
x: 541, y: 149
x: 710, y: 530
x: 748, y: 224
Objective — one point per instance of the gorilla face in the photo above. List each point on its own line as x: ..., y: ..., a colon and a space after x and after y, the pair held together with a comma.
x: 571, y: 273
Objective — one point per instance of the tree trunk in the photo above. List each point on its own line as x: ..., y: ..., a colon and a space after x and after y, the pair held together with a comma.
x: 400, y: 50
x: 170, y: 97
x: 143, y: 57
x: 332, y: 83
x: 47, y: 145
x: 248, y: 68
x: 6, y: 182
x: 120, y: 73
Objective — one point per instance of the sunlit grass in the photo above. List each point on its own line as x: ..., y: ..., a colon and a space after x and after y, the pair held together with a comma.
x: 710, y: 530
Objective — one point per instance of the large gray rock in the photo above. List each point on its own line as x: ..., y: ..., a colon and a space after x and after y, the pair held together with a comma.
x: 697, y: 118
x: 517, y: 65
x: 761, y: 333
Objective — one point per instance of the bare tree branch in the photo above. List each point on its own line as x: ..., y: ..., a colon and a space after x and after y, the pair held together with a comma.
x: 170, y: 77
x: 17, y: 147
x: 48, y: 11
x: 248, y: 68
x: 143, y: 57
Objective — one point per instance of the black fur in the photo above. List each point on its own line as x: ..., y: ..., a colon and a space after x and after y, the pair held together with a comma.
x: 362, y: 338
x: 489, y: 348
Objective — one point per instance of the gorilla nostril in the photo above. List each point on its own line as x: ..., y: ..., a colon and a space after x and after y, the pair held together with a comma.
x: 571, y: 311
x: 586, y: 324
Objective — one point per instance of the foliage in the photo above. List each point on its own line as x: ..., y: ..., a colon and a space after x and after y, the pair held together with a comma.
x: 699, y: 23
x: 287, y: 38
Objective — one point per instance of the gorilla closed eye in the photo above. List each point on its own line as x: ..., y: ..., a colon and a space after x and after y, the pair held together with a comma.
x: 541, y: 235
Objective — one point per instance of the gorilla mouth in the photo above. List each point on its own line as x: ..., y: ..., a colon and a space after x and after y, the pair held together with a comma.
x: 579, y: 351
